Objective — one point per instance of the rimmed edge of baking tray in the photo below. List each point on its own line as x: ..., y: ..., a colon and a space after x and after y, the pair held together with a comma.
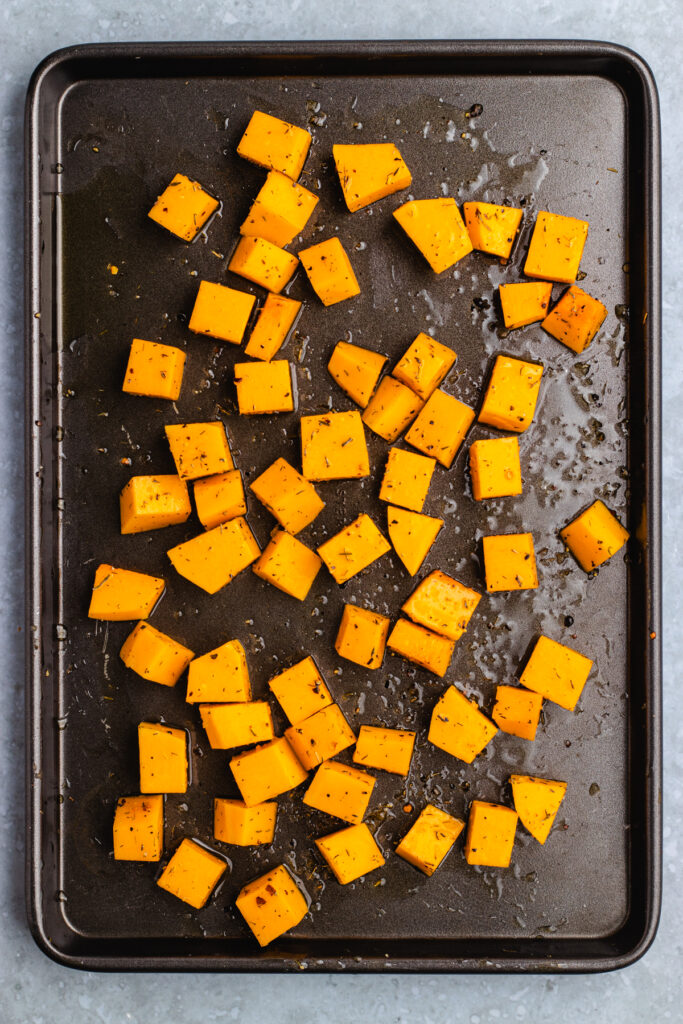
x: 633, y: 75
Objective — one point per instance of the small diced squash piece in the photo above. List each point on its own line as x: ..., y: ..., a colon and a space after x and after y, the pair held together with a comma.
x: 406, y: 479
x: 510, y: 399
x: 490, y: 834
x: 280, y: 211
x: 557, y: 672
x: 237, y: 725
x: 183, y: 208
x: 214, y: 558
x: 163, y: 758
x: 437, y: 229
x: 289, y: 565
x: 274, y: 322
x: 219, y: 498
x: 362, y: 636
x: 272, y: 904
x: 556, y: 247
x: 221, y: 675
x: 412, y: 535
x: 510, y: 562
x: 353, y: 549
x: 424, y: 365
x: 351, y: 853
x: 276, y: 144
x: 517, y: 711
x: 524, y: 303
x: 152, y: 502
x: 239, y: 825
x: 264, y: 388
x: 320, y: 737
x: 458, y: 726
x: 199, y: 449
x: 495, y: 468
x: 340, y: 790
x: 537, y: 802
x: 265, y: 264
x: 300, y: 690
x: 594, y: 536
x: 139, y: 828
x: 576, y: 319
x: 390, y: 750
x: 329, y: 270
x: 492, y: 228
x: 267, y: 771
x: 391, y: 409
x: 422, y: 646
x: 155, y: 656
x: 288, y: 496
x: 442, y: 604
x: 333, y: 447
x: 154, y: 370
x: 356, y: 370
x: 368, y: 173
x: 221, y: 312
x: 192, y: 873
x: 120, y: 594
x: 429, y: 840
x: 440, y: 427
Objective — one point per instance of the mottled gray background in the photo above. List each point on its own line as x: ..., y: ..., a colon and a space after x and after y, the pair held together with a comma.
x: 32, y: 989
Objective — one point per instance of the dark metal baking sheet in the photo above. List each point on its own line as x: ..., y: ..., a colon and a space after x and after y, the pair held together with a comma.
x: 571, y: 127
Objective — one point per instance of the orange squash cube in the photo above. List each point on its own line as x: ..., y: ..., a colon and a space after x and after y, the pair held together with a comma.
x: 406, y: 479
x: 353, y: 549
x: 221, y: 312
x: 517, y: 711
x: 351, y: 853
x: 139, y: 828
x: 121, y: 594
x: 442, y: 604
x: 320, y: 737
x: 537, y: 802
x: 356, y: 370
x: 441, y: 427
x: 458, y: 726
x: 154, y: 370
x: 594, y: 536
x: 422, y: 646
x: 199, y: 449
x: 267, y: 771
x: 512, y: 393
x: 424, y: 365
x: 274, y: 322
x: 556, y: 247
x: 525, y: 303
x: 412, y: 535
x: 494, y: 468
x: 280, y: 211
x: 330, y: 272
x: 430, y: 839
x: 510, y: 562
x: 192, y: 873
x: 492, y: 229
x: 214, y: 558
x: 219, y: 498
x: 389, y: 750
x: 288, y: 496
x: 391, y: 409
x: 490, y: 834
x: 556, y: 672
x: 183, y: 208
x: 264, y: 388
x: 263, y: 263
x: 237, y: 725
x: 272, y: 904
x: 276, y: 144
x: 576, y: 319
x: 436, y: 227
x: 301, y: 691
x: 154, y: 655
x: 368, y: 173
x: 153, y: 502
x: 239, y: 825
x: 340, y: 790
x: 163, y: 758
x: 288, y: 564
x: 221, y: 676
x: 362, y: 636
x: 333, y: 447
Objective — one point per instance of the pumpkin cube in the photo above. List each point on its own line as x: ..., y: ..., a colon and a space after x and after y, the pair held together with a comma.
x: 221, y: 675
x: 214, y: 558
x: 237, y: 725
x: 155, y: 656
x: 300, y: 690
x: 219, y: 498
x: 333, y: 447
x: 492, y: 229
x: 594, y: 536
x: 351, y: 853
x: 517, y: 711
x: 221, y: 312
x: 510, y: 562
x: 495, y: 468
x: 490, y: 834
x: 362, y: 636
x: 437, y: 229
x: 183, y: 208
x: 264, y: 388
x: 512, y: 393
x: 406, y: 479
x: 192, y: 873
x: 320, y: 737
x: 557, y: 672
x: 421, y: 646
x: 524, y: 303
x: 341, y: 791
x: 368, y: 173
x: 280, y: 211
x: 120, y: 594
x: 152, y: 502
x: 537, y: 802
x: 274, y: 322
x: 356, y: 370
x: 330, y: 272
x: 390, y: 750
x: 288, y: 496
x: 163, y: 758
x: 576, y: 319
x: 265, y: 264
x: 440, y: 427
x: 429, y: 840
x: 391, y: 409
x: 199, y: 449
x: 353, y: 549
x: 272, y: 904
x: 458, y: 726
x: 154, y: 370
x: 276, y: 144
x: 239, y: 825
x: 267, y: 771
x: 442, y: 604
x: 424, y: 365
x: 289, y: 565
x: 412, y: 535
x: 139, y: 828
x: 556, y: 247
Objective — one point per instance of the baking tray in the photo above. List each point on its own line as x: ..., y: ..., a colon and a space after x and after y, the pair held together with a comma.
x: 571, y: 127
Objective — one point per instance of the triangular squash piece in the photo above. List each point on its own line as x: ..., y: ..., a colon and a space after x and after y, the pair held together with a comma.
x: 370, y: 172
x: 537, y: 802
x: 412, y: 535
x: 356, y: 370
x: 437, y: 229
